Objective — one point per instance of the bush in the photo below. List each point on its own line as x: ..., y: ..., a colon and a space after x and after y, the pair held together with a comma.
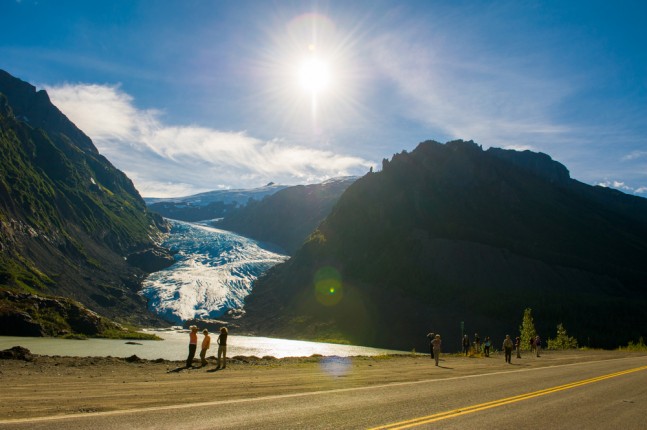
x: 640, y: 346
x: 562, y: 340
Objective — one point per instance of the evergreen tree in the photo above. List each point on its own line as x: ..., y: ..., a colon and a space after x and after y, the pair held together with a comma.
x: 562, y: 340
x: 527, y: 329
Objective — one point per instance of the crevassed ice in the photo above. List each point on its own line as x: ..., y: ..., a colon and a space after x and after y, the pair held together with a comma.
x: 213, y: 272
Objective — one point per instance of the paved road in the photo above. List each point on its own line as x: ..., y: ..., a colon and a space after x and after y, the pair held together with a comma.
x: 603, y: 394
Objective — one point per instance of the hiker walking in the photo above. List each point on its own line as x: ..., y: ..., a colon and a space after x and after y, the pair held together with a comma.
x: 436, y: 346
x: 431, y: 336
x: 517, y: 345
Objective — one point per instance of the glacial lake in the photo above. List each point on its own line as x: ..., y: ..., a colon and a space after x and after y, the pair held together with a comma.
x: 175, y: 347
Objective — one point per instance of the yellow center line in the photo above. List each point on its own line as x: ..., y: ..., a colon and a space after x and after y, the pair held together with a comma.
x: 496, y: 403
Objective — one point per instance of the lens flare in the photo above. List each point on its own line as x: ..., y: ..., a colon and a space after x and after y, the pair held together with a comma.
x: 328, y: 286
x: 336, y: 366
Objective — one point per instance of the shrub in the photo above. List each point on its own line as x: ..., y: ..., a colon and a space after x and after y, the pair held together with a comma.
x: 562, y: 340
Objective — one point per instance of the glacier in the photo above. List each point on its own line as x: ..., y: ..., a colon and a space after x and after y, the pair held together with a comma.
x: 213, y: 272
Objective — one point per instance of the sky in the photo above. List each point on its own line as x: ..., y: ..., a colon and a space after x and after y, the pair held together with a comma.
x: 197, y: 95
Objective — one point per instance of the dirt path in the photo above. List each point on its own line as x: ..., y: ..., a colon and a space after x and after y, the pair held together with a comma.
x: 65, y: 385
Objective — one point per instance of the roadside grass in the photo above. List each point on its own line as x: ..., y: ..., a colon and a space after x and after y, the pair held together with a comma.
x: 640, y: 346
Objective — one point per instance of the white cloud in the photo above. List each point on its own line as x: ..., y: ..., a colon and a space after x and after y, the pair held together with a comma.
x: 164, y: 160
x: 619, y: 185
x: 634, y: 155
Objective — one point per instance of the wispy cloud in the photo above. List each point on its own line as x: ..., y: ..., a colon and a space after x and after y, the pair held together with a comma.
x: 634, y: 155
x: 169, y: 160
x: 470, y: 98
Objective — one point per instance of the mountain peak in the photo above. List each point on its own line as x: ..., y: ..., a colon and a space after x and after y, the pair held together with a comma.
x: 35, y: 108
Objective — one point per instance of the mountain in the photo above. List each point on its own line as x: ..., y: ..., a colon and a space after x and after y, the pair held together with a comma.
x: 287, y: 217
x: 209, y: 205
x: 451, y: 234
x: 71, y: 224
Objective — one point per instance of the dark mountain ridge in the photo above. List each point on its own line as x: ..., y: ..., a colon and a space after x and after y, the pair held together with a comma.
x: 287, y: 217
x: 69, y: 220
x: 451, y: 233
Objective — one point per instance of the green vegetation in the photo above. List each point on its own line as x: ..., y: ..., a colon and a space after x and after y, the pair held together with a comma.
x: 562, y: 340
x: 640, y: 346
x: 67, y: 215
x: 527, y: 329
x: 127, y: 334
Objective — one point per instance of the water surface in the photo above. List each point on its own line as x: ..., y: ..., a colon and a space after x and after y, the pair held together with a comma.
x: 175, y: 347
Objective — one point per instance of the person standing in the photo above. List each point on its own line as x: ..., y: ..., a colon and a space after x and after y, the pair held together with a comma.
x: 436, y: 343
x: 206, y: 342
x: 517, y: 345
x: 222, y: 347
x: 538, y: 344
x: 477, y: 343
x: 486, y: 346
x: 507, y: 348
x: 193, y: 345
x: 431, y: 337
x: 466, y: 344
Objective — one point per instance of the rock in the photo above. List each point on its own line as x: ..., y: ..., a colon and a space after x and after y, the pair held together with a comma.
x: 17, y: 353
x: 14, y: 322
x: 151, y: 260
x: 133, y: 359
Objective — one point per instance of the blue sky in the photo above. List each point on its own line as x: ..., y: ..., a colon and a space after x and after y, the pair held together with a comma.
x: 188, y: 96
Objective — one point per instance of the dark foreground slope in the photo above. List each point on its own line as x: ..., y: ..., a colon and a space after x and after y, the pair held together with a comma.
x: 450, y: 233
x: 70, y: 222
x: 287, y: 217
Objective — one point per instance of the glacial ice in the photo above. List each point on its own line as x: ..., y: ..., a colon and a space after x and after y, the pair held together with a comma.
x: 213, y: 272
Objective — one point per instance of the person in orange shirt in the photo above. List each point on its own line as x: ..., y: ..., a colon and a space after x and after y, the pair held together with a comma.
x: 206, y: 342
x: 193, y: 345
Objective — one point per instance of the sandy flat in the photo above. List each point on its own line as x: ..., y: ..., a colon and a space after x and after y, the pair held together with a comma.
x: 49, y: 386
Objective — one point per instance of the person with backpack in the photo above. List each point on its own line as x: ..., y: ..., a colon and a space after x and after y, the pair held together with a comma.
x: 431, y: 337
x: 507, y: 348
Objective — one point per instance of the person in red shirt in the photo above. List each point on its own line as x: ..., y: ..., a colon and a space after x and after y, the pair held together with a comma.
x: 193, y: 345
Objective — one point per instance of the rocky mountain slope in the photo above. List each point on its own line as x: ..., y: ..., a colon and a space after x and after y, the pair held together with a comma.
x: 70, y: 222
x: 450, y: 233
x: 287, y: 217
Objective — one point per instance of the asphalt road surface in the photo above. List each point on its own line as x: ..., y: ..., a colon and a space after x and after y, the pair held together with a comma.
x: 600, y: 394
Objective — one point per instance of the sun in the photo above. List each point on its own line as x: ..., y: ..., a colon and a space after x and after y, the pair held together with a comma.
x: 314, y: 75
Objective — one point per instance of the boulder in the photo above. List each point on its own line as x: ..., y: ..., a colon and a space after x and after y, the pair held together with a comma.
x: 16, y: 353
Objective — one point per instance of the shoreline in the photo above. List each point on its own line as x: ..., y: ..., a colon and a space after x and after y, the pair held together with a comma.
x: 57, y: 385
